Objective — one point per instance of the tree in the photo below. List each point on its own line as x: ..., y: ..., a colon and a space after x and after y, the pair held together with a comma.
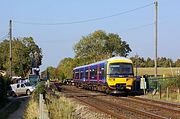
x: 177, y: 63
x: 99, y: 45
x: 139, y: 61
x: 21, y: 61
x: 149, y: 62
x: 4, y: 55
x: 66, y: 66
x: 165, y: 62
x: 33, y: 48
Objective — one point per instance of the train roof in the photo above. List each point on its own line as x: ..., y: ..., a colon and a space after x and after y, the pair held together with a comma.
x: 104, y: 61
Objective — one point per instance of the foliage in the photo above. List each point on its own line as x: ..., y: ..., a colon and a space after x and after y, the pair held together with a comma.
x: 4, y: 85
x: 49, y: 73
x: 60, y: 108
x: 170, y: 82
x: 177, y: 63
x: 99, y: 45
x: 161, y: 61
x: 40, y: 89
x: 66, y: 66
x: 32, y: 109
x: 21, y: 60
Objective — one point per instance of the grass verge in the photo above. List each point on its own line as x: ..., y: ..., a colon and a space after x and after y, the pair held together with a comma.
x: 32, y: 109
x: 60, y: 108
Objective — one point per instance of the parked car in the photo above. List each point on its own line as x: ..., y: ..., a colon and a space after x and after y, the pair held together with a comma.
x: 68, y: 82
x: 22, y: 88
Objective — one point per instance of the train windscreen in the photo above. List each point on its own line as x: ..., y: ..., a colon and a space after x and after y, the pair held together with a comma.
x: 120, y: 70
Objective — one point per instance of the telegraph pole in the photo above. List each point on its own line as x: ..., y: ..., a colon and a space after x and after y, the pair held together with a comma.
x: 10, y: 46
x: 156, y: 34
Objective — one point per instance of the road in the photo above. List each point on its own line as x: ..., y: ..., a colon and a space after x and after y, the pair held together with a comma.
x: 18, y: 114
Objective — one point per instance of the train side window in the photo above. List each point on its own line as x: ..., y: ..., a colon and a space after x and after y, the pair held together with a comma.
x: 86, y: 74
x: 76, y: 75
x: 91, y: 74
x: 81, y: 74
x: 101, y: 73
x: 95, y: 73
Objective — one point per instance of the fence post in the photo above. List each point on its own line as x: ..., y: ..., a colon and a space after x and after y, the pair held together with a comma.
x: 178, y: 96
x: 167, y: 93
x: 40, y: 106
x: 160, y: 91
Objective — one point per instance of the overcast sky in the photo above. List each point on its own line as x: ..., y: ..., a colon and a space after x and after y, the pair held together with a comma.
x: 46, y: 21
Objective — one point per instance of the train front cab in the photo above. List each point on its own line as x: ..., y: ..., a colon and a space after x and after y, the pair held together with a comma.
x: 120, y: 76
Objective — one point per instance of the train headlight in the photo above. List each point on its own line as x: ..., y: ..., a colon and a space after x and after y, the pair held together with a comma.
x: 110, y: 79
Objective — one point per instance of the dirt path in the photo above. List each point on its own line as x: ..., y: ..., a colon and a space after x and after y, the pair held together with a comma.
x: 18, y: 114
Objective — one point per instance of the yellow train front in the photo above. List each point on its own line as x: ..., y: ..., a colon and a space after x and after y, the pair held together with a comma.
x: 119, y: 74
x: 112, y: 75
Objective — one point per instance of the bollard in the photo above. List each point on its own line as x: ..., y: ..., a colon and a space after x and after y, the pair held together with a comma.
x: 167, y: 93
x: 40, y: 106
x: 178, y: 96
x: 160, y: 91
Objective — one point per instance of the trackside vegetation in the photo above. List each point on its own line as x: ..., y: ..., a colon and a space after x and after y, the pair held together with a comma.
x: 32, y: 109
x: 60, y: 108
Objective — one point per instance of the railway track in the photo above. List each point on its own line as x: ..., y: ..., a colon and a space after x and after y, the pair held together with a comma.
x: 122, y: 107
x: 168, y: 110
x: 173, y: 105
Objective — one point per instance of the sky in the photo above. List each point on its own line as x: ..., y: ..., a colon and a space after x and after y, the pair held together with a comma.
x: 56, y: 25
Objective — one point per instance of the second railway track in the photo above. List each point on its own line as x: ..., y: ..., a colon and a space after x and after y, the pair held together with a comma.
x: 123, y: 107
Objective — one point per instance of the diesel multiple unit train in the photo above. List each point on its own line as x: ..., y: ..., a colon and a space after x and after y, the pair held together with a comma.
x: 112, y: 75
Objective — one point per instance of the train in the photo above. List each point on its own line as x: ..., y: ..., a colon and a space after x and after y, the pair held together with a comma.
x: 113, y: 75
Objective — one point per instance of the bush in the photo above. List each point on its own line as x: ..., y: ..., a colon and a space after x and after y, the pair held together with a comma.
x: 60, y: 108
x: 40, y: 89
x: 170, y: 82
x: 32, y: 109
x: 4, y: 84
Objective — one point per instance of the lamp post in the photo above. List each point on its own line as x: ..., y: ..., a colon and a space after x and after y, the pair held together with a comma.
x: 10, y: 46
x: 156, y: 35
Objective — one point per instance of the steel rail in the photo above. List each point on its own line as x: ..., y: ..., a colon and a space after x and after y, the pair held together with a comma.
x: 130, y: 109
x: 101, y: 109
x: 137, y: 111
x: 157, y: 101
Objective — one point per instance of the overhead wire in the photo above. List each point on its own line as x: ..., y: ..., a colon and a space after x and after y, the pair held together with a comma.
x: 87, y: 20
x: 138, y: 27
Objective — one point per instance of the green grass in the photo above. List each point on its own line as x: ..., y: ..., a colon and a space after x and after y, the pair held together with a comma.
x: 60, y: 108
x: 161, y: 71
x: 32, y: 109
x: 10, y: 109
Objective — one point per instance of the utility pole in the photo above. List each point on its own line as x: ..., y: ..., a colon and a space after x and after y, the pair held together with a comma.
x: 156, y: 35
x: 10, y: 46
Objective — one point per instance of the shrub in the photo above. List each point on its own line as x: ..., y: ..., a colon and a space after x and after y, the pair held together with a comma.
x: 4, y: 84
x: 60, y: 108
x: 40, y: 89
x: 170, y: 82
x: 32, y: 109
